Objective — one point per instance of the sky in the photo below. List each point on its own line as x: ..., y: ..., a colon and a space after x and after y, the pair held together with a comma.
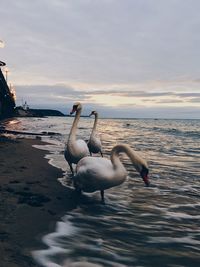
x: 124, y: 58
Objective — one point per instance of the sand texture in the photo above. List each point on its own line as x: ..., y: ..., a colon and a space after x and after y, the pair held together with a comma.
x: 31, y: 200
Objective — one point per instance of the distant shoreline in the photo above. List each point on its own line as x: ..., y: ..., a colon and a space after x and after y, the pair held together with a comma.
x: 43, y: 115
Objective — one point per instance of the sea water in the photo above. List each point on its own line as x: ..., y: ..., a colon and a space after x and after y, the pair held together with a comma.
x: 138, y: 226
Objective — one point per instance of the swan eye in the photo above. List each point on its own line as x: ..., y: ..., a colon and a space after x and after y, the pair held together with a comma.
x: 93, y: 113
x: 144, y: 172
x: 75, y: 107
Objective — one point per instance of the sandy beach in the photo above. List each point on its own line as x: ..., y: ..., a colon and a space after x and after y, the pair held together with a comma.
x: 31, y: 200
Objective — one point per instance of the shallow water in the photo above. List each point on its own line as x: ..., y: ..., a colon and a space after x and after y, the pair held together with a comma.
x: 138, y: 226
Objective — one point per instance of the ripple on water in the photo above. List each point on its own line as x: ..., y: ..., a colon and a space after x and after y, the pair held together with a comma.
x: 138, y: 226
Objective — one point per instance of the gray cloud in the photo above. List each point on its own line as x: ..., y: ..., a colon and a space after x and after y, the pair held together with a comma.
x: 60, y: 95
x: 195, y: 100
x: 188, y: 94
x: 130, y: 93
x: 48, y: 96
x: 110, y: 42
x: 46, y: 90
x: 101, y: 41
x: 169, y: 101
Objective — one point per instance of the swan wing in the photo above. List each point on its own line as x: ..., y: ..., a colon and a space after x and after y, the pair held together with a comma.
x: 94, y: 174
x: 76, y: 150
x: 82, y: 146
x: 94, y: 144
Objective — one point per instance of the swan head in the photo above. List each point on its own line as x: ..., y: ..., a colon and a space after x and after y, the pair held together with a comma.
x: 77, y: 106
x: 93, y: 113
x: 144, y: 174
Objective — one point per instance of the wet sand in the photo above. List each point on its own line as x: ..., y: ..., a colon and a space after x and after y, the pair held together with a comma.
x: 31, y: 200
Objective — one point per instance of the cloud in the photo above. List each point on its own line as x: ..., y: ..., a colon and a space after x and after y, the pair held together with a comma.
x: 62, y: 98
x: 195, y: 100
x: 51, y: 96
x: 144, y: 52
x: 188, y: 94
x: 130, y: 93
x: 169, y: 101
x: 101, y: 41
x: 59, y: 96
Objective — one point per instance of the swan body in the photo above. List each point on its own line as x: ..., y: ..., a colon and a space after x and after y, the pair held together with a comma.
x: 93, y: 174
x: 94, y: 143
x: 75, y: 149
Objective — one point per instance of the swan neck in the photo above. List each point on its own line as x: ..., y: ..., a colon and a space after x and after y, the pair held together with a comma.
x: 115, y: 158
x: 72, y: 134
x: 95, y: 124
x: 134, y: 157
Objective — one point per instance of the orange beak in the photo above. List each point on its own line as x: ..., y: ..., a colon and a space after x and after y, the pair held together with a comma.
x: 146, y: 180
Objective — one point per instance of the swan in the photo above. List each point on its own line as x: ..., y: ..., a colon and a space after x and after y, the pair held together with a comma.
x: 93, y: 174
x: 75, y: 149
x: 94, y: 143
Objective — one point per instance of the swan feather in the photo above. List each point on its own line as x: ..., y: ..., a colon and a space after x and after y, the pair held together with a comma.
x: 97, y: 174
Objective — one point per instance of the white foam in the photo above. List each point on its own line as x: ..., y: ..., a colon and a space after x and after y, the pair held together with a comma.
x: 63, y: 229
x: 181, y: 215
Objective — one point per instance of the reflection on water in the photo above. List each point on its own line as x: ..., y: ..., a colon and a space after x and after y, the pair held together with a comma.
x: 138, y: 226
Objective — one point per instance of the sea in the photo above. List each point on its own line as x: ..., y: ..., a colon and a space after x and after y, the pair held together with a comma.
x: 138, y: 226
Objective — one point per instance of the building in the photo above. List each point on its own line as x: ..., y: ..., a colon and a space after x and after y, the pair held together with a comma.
x: 7, y: 101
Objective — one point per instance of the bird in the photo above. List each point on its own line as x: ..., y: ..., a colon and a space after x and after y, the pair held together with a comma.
x: 75, y: 149
x: 98, y: 174
x: 94, y: 143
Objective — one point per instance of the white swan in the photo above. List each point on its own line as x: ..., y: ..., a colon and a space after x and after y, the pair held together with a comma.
x: 93, y: 174
x: 75, y: 149
x: 94, y: 143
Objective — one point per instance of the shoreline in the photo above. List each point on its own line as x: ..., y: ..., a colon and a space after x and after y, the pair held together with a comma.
x: 32, y: 200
